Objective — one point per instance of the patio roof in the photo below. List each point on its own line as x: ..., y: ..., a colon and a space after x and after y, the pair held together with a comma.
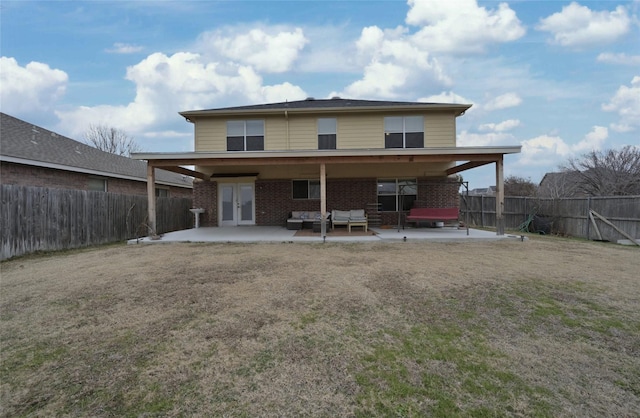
x: 473, y: 157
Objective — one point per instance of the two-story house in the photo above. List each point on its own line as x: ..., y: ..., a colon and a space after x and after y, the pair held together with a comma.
x: 256, y: 164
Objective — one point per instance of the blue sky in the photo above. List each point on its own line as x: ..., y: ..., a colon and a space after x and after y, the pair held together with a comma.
x: 559, y: 78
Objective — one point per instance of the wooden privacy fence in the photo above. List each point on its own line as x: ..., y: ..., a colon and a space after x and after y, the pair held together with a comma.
x: 42, y: 219
x: 565, y: 216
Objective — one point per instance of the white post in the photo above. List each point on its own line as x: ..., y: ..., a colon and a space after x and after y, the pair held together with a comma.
x: 151, y: 199
x: 323, y: 200
x: 500, y: 196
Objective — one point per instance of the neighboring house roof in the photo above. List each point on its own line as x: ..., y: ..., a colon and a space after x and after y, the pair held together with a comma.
x: 336, y: 103
x: 24, y: 143
x: 483, y: 191
x: 562, y: 184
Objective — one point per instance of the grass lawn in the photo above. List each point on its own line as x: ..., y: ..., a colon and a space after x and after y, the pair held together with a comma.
x: 545, y: 327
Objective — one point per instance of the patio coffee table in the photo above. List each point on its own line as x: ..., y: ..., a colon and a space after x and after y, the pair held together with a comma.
x: 357, y: 223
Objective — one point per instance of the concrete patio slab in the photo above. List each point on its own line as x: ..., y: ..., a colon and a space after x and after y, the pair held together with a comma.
x: 281, y: 234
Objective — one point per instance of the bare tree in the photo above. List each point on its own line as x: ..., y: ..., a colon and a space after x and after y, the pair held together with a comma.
x: 519, y: 186
x: 607, y: 173
x: 110, y: 139
x: 559, y: 185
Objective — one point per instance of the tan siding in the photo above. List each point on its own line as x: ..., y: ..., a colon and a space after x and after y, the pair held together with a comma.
x: 440, y: 130
x: 211, y: 135
x: 304, y: 132
x: 297, y: 132
x: 275, y: 135
x: 360, y: 131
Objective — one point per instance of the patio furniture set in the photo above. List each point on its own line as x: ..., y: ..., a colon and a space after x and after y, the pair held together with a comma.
x: 313, y: 219
x: 358, y: 218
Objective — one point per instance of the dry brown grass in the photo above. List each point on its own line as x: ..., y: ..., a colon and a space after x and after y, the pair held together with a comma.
x: 541, y: 327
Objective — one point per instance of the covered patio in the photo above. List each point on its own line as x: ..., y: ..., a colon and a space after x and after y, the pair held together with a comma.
x: 246, y: 167
x: 247, y: 234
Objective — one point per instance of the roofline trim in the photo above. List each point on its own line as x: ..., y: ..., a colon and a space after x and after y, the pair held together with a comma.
x: 459, y: 108
x: 195, y: 155
x: 35, y: 163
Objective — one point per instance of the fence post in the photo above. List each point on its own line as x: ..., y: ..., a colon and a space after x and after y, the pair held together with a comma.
x: 482, y: 211
x: 588, y: 217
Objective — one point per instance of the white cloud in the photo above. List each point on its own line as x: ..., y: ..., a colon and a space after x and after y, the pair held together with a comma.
x: 462, y: 26
x: 280, y: 93
x: 467, y: 139
x: 503, y: 101
x: 394, y: 66
x: 271, y: 50
x: 506, y: 125
x: 579, y: 26
x: 379, y: 80
x: 592, y: 141
x: 546, y: 150
x: 400, y: 62
x: 626, y: 102
x: 33, y: 88
x: 121, y: 48
x: 446, y: 97
x: 621, y: 58
x: 543, y: 150
x: 166, y: 85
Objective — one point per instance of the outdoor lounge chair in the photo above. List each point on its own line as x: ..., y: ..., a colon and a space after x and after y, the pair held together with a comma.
x: 354, y: 217
x: 357, y: 217
x: 339, y: 217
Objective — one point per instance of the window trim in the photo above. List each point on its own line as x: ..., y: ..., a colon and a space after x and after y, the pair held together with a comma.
x: 404, y: 130
x: 309, y: 181
x: 245, y: 136
x: 334, y: 133
x: 102, y: 179
x: 158, y: 189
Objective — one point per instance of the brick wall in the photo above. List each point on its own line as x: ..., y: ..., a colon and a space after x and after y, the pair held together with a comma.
x: 25, y: 175
x: 274, y: 198
x: 437, y: 193
x: 205, y: 195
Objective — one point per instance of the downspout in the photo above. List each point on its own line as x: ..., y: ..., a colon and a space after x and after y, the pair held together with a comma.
x: 286, y: 116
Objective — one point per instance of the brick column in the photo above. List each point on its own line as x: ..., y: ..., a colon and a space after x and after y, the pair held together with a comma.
x: 205, y: 195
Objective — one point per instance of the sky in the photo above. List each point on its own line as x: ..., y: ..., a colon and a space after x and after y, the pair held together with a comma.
x: 559, y: 78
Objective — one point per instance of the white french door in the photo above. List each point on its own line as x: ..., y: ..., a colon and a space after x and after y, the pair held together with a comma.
x: 236, y: 204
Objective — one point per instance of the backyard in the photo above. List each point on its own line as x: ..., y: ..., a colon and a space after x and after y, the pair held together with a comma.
x: 544, y: 327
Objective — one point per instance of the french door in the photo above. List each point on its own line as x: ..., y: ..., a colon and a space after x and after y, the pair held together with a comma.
x: 236, y: 204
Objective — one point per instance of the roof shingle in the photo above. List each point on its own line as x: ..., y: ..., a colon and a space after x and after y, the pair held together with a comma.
x: 23, y: 140
x: 336, y: 102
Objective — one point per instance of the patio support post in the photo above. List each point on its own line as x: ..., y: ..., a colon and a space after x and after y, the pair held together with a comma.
x: 151, y: 199
x: 323, y: 199
x: 500, y: 196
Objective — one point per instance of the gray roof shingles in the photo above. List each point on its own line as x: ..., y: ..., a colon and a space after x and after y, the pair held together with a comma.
x: 335, y: 102
x: 20, y: 139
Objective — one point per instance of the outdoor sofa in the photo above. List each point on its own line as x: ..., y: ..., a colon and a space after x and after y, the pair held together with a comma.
x: 303, y: 219
x: 350, y: 218
x: 418, y: 215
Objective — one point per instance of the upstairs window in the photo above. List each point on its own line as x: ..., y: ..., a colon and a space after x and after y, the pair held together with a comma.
x: 404, y: 132
x: 245, y: 135
x: 306, y: 189
x: 327, y: 133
